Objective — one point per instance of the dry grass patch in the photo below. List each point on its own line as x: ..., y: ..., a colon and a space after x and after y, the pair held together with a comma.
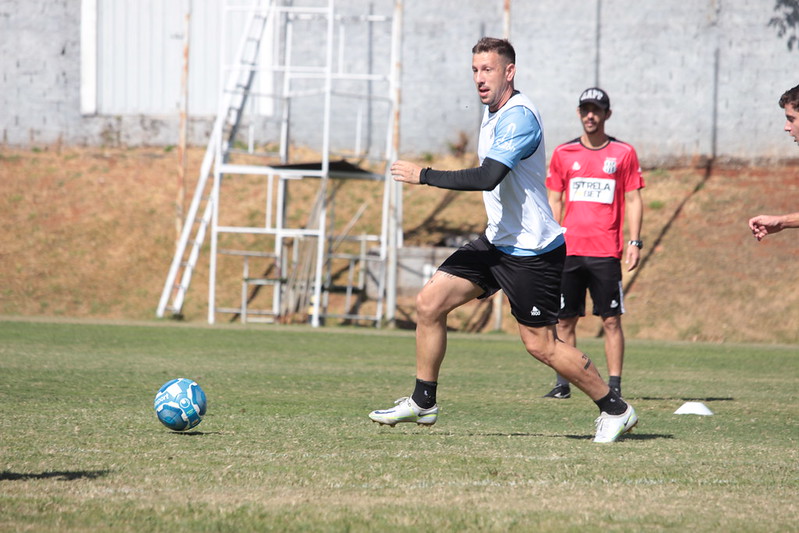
x: 90, y: 233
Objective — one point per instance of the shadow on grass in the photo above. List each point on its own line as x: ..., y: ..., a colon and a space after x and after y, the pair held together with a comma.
x: 62, y: 475
x: 709, y: 399
x: 628, y: 436
x: 196, y: 433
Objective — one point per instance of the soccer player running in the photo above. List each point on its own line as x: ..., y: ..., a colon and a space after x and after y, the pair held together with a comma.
x: 521, y: 252
x: 591, y: 181
x: 763, y: 225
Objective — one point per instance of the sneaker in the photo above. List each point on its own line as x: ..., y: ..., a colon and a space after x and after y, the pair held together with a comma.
x: 405, y: 410
x: 560, y: 392
x: 611, y: 427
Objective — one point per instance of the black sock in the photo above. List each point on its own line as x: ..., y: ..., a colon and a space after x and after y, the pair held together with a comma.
x: 425, y: 393
x: 561, y: 381
x: 611, y: 404
x: 614, y: 382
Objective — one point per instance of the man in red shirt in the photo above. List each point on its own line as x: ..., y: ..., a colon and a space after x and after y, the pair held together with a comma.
x: 592, y: 181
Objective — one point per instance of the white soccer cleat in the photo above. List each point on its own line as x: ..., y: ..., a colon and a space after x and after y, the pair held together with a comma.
x: 610, y: 427
x: 405, y: 410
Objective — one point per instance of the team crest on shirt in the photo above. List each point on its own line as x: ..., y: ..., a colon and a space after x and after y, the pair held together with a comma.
x: 610, y: 165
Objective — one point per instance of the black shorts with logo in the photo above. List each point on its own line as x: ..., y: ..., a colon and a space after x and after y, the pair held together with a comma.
x: 601, y: 277
x: 531, y: 283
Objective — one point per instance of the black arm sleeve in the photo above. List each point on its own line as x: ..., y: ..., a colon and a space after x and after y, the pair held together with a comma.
x: 483, y: 178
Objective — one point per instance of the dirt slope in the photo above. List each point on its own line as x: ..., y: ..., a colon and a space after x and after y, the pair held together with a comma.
x: 90, y: 233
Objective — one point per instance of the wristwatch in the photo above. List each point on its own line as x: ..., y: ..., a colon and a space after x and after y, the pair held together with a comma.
x: 639, y: 244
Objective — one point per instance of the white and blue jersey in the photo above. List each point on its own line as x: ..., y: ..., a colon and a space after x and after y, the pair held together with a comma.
x: 520, y: 221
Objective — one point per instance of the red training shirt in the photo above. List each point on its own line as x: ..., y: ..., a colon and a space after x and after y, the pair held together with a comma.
x: 595, y: 182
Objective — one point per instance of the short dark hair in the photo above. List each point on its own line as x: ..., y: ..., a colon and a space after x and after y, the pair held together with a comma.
x: 791, y: 96
x: 500, y: 46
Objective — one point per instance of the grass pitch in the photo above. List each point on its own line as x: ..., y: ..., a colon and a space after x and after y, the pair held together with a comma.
x: 286, y: 444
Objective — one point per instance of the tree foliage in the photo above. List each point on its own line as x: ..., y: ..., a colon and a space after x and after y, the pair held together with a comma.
x: 787, y: 21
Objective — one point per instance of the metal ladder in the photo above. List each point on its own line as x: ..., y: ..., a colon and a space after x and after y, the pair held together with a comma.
x: 231, y: 107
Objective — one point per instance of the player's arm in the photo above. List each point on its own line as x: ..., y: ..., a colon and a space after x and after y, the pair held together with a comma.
x: 555, y: 199
x: 554, y: 184
x: 517, y: 135
x: 763, y: 225
x: 790, y: 221
x: 635, y: 218
x: 482, y: 178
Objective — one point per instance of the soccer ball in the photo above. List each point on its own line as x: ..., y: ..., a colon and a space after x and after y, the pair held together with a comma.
x: 180, y: 404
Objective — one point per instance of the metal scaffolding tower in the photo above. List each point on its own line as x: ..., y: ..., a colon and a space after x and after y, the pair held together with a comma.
x: 295, y: 66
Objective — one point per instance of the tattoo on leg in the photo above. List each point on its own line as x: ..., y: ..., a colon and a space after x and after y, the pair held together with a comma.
x: 437, y: 274
x: 587, y: 362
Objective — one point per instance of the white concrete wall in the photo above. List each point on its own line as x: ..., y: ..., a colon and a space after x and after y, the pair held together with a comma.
x: 687, y: 79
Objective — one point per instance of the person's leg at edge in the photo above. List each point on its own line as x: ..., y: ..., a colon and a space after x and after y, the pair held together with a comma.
x: 543, y: 344
x: 614, y: 350
x: 574, y: 283
x: 566, y: 330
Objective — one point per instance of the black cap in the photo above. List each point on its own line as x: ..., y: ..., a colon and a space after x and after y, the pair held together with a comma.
x: 596, y: 96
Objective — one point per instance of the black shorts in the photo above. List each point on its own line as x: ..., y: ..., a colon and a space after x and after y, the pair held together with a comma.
x: 601, y: 276
x: 531, y: 283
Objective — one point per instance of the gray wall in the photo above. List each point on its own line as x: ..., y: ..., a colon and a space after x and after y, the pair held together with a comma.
x: 688, y: 80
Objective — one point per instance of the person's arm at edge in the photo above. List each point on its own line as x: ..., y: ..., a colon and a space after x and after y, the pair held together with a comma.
x: 555, y: 199
x: 635, y: 218
x: 762, y: 225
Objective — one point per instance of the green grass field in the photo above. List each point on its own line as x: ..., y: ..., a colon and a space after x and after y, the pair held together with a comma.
x: 287, y: 446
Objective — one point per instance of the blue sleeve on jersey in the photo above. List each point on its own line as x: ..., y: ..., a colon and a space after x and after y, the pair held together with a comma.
x: 517, y: 136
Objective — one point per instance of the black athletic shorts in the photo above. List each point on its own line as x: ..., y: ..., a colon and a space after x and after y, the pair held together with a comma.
x: 601, y: 276
x: 531, y: 283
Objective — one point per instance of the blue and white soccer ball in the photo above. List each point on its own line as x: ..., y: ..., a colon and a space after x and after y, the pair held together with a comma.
x: 180, y: 404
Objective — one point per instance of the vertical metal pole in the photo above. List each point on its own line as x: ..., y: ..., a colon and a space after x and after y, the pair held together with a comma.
x: 214, y: 199
x: 358, y: 130
x: 369, y: 84
x: 280, y: 260
x: 322, y: 239
x: 282, y: 186
x: 270, y: 179
x: 598, y: 39
x: 715, y: 109
x: 245, y: 277
x: 285, y: 133
x: 180, y: 200
x: 506, y: 20
x: 395, y: 192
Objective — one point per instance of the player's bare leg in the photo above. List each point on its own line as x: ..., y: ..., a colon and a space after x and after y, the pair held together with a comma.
x: 614, y: 344
x: 616, y: 417
x: 567, y: 330
x: 543, y: 344
x: 443, y: 293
